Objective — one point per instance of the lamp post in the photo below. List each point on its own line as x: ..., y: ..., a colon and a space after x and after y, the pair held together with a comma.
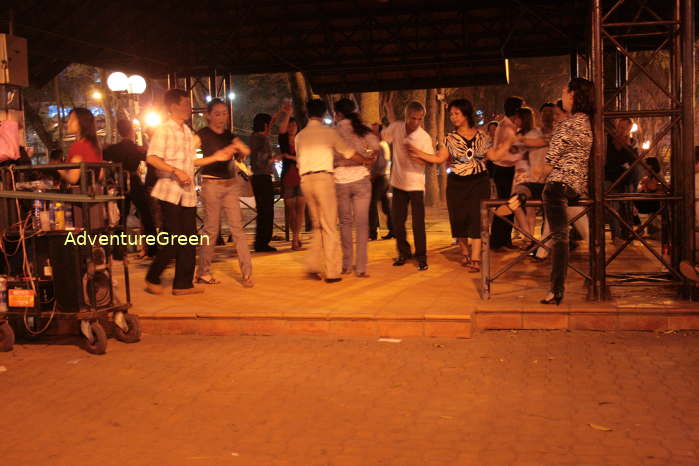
x: 131, y: 86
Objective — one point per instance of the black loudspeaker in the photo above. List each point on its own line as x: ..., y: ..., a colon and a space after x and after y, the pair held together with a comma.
x: 75, y: 270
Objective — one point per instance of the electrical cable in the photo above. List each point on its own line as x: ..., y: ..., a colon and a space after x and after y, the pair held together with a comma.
x: 26, y: 266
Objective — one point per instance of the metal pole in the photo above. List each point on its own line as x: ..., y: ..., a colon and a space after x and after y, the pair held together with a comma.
x: 687, y: 161
x: 485, y: 252
x: 574, y: 71
x: 676, y: 160
x: 213, y: 92
x: 230, y: 101
x: 597, y: 253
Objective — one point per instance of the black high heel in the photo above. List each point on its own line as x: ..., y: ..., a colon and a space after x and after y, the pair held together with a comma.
x: 555, y: 299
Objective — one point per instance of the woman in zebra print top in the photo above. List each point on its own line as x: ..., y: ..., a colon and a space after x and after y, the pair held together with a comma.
x: 568, y: 158
x: 467, y: 150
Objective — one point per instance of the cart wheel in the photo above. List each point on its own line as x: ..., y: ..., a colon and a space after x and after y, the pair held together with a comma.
x: 99, y: 345
x: 7, y: 337
x: 134, y: 333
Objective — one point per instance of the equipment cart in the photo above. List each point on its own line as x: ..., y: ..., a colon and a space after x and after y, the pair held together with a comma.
x: 59, y: 245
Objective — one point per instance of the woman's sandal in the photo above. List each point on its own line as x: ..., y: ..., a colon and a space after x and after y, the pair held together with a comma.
x: 209, y: 281
x: 466, y: 260
x: 474, y: 266
x: 247, y: 282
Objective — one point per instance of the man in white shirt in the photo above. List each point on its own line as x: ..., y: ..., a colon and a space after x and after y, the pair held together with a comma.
x: 408, y: 181
x: 171, y: 152
x: 315, y: 148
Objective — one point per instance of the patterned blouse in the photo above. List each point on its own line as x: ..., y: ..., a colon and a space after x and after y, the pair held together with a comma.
x: 467, y: 156
x: 569, y: 152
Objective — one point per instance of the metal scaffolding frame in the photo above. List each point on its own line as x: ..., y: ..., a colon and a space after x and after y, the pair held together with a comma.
x: 617, y: 29
x: 215, y: 85
x: 618, y: 26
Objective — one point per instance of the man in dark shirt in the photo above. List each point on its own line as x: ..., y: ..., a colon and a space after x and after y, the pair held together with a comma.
x: 130, y: 156
x: 619, y: 154
x: 261, y: 162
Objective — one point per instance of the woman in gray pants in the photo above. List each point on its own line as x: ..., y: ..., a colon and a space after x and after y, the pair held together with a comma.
x: 220, y: 188
x: 353, y: 187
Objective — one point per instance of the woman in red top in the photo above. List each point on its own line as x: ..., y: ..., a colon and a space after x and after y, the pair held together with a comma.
x: 294, y: 202
x: 81, y: 123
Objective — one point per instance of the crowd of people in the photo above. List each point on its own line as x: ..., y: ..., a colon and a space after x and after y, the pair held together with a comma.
x: 337, y: 174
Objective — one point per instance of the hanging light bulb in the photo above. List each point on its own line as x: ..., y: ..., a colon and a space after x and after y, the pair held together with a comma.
x: 153, y: 118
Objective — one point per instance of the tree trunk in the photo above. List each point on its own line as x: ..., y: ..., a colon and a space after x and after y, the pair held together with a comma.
x: 37, y: 123
x: 108, y: 115
x: 300, y: 96
x: 442, y: 168
x: 370, y: 107
x: 431, y: 125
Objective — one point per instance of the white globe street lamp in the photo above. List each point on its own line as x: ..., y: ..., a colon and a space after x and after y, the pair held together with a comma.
x: 137, y: 85
x: 117, y: 82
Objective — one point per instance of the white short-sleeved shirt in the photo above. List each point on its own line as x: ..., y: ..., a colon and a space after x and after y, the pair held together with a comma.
x: 345, y: 173
x: 525, y: 169
x: 175, y: 145
x: 504, y: 131
x: 316, y: 145
x: 407, y: 174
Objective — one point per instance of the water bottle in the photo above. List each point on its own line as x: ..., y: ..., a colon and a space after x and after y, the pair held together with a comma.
x: 60, y: 217
x: 36, y: 215
x: 45, y: 219
x: 3, y: 293
x: 52, y: 215
x: 68, y: 208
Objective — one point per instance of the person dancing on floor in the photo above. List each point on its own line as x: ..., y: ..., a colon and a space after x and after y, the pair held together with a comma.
x: 353, y: 186
x: 467, y: 150
x: 294, y: 202
x: 220, y: 190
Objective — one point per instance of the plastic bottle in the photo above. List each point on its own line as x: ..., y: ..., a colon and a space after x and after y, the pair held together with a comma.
x: 48, y: 270
x: 3, y: 293
x: 36, y: 215
x: 60, y: 217
x: 52, y: 215
x: 68, y: 208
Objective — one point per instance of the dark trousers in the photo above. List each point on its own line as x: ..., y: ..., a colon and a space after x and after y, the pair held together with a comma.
x: 140, y: 198
x: 501, y: 233
x: 263, y: 189
x: 379, y: 193
x: 177, y: 220
x: 399, y: 211
x: 556, y: 197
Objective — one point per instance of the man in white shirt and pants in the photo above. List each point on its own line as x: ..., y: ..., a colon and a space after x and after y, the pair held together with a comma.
x: 408, y: 181
x: 315, y: 148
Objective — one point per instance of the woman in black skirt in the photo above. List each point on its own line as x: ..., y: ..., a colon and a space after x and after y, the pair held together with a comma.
x: 467, y: 184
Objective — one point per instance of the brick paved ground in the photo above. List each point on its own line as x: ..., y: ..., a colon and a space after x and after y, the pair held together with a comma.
x: 525, y: 398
